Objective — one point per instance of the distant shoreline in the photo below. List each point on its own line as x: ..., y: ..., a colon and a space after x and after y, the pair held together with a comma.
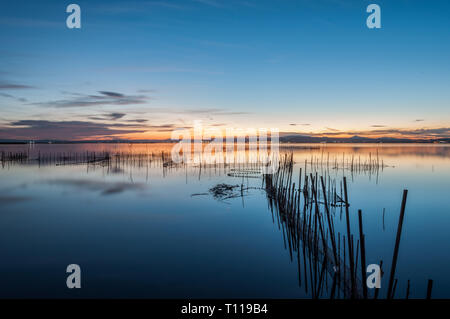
x: 283, y: 142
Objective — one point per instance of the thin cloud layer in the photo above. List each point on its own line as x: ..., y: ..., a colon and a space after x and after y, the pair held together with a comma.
x: 14, y: 86
x: 65, y: 130
x: 110, y: 116
x: 421, y: 133
x: 19, y: 99
x: 104, y: 98
x: 80, y: 130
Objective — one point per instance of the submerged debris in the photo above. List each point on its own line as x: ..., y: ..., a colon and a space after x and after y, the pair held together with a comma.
x: 225, y: 191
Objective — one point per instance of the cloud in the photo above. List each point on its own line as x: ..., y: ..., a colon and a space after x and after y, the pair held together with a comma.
x: 65, y: 130
x: 20, y: 99
x: 105, y: 98
x: 422, y: 133
x: 159, y: 69
x: 443, y: 132
x: 379, y: 131
x: 109, y: 116
x: 78, y: 130
x: 303, y: 124
x: 195, y: 111
x: 213, y: 112
x: 116, y: 116
x: 432, y: 132
x: 137, y: 121
x: 165, y: 127
x: 377, y: 125
x: 14, y: 86
x: 111, y: 94
x: 419, y: 120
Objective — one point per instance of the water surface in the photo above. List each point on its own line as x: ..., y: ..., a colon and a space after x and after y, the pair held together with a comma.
x: 136, y: 230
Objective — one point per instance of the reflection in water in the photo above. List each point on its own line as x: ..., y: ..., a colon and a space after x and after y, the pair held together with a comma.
x: 306, y: 219
x: 103, y: 187
x: 306, y: 200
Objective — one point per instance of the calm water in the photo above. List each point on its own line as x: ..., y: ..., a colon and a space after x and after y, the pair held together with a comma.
x: 136, y: 230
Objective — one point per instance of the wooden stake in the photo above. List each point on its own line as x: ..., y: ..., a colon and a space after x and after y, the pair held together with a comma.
x: 363, y: 254
x: 397, y: 244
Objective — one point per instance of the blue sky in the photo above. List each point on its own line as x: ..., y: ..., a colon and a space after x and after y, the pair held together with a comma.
x: 149, y: 66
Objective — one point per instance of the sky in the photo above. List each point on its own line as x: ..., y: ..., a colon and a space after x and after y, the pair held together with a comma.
x: 140, y: 69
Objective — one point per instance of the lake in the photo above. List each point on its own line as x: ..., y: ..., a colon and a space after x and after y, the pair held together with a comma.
x: 140, y: 227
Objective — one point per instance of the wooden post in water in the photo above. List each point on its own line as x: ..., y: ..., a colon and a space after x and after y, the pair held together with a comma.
x: 429, y: 288
x: 350, y: 250
x: 397, y: 244
x: 393, y: 289
x: 330, y: 225
x: 363, y: 254
x: 407, y: 290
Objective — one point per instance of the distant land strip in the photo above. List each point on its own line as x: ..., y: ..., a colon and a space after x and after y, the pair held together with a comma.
x: 283, y: 140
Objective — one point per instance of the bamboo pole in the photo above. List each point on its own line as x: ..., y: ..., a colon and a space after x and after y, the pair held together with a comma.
x: 330, y: 226
x: 397, y: 244
x: 429, y: 288
x: 363, y: 254
x: 350, y: 250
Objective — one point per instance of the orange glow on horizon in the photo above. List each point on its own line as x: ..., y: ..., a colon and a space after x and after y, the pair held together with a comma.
x: 150, y: 135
